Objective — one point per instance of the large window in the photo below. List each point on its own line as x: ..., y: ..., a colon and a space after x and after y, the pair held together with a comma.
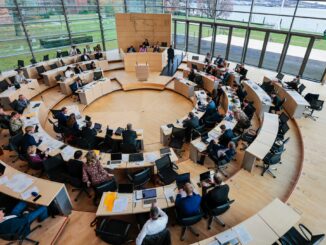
x: 255, y: 45
x: 193, y: 37
x: 206, y: 39
x: 237, y: 41
x: 180, y: 35
x: 221, y: 40
x: 273, y: 50
x: 316, y: 64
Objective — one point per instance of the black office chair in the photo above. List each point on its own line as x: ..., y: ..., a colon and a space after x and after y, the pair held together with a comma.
x: 301, y: 88
x: 75, y: 171
x: 55, y: 169
x: 110, y: 185
x: 4, y: 122
x: 54, y: 113
x: 15, y: 143
x: 279, y: 106
x: 196, y: 132
x: 46, y: 57
x: 236, y: 139
x: 314, y: 105
x: 161, y: 238
x: 282, y: 131
x: 40, y: 70
x: 53, y: 66
x: 88, y: 66
x: 269, y: 160
x: 177, y: 139
x: 113, y: 231
x: 140, y: 178
x: 295, y: 237
x: 21, y: 236
x: 59, y: 78
x: 279, y: 145
x: 283, y: 118
x: 128, y: 148
x: 187, y: 223
x: 166, y: 170
x: 215, y: 212
x: 220, y: 163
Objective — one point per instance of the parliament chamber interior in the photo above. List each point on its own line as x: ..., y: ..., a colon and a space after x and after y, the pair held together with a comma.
x: 162, y: 122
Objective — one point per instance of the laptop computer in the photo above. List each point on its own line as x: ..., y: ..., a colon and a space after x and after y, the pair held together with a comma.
x: 87, y: 118
x: 119, y: 131
x: 125, y: 188
x: 116, y: 158
x: 109, y: 132
x: 136, y: 157
x: 165, y: 151
x: 182, y: 179
x: 149, y: 193
x: 2, y: 169
x: 205, y: 176
x: 280, y: 76
x: 97, y: 126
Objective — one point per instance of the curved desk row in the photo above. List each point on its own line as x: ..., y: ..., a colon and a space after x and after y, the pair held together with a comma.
x: 263, y: 228
x: 209, y: 81
x: 20, y: 185
x: 264, y: 141
x: 261, y: 99
x: 295, y: 104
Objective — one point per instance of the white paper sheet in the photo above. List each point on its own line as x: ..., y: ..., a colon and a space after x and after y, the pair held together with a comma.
x: 226, y: 236
x: 151, y: 157
x: 19, y: 182
x: 3, y: 180
x: 243, y: 235
x: 169, y: 192
x: 120, y: 204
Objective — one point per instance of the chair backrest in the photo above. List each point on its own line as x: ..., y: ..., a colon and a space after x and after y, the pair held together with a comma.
x: 88, y: 66
x: 283, y: 118
x: 75, y: 168
x: 284, y: 128
x: 107, y: 186
x: 52, y: 163
x: 53, y: 66
x: 188, y: 221
x: 301, y: 88
x: 58, y: 77
x: 15, y: 142
x: 40, y: 69
x: 54, y: 113
x: 128, y: 148
x: 178, y: 133
x: 276, y: 157
x: 220, y: 209
x: 163, y: 162
x: 142, y: 177
x: 161, y: 238
x: 311, y: 97
x: 46, y: 57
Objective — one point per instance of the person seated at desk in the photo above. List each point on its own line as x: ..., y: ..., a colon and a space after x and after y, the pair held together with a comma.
x: 219, y: 61
x: 192, y: 75
x: 211, y: 106
x: 214, y: 72
x: 156, y: 49
x: 240, y: 92
x: 62, y: 117
x: 93, y: 65
x: 192, y: 122
x: 16, y: 123
x: 129, y: 136
x: 20, y: 78
x: 78, y: 84
x: 73, y: 50
x: 213, y: 118
x: 78, y: 69
x: 88, y: 49
x: 208, y: 69
x: 294, y: 84
x: 98, y: 55
x: 276, y: 103
x: 88, y: 134
x: 226, y: 135
x: 243, y: 121
x: 73, y: 127
x: 214, y: 193
x: 28, y: 139
x: 69, y: 72
x: 248, y: 108
x: 208, y: 58
x: 131, y: 49
x: 242, y: 71
x: 93, y: 172
x: 18, y: 222
x: 98, y: 48
x: 22, y: 103
x: 170, y: 55
x: 146, y: 43
x: 218, y: 94
x: 142, y: 49
x: 85, y: 56
x: 35, y: 157
x: 225, y: 77
x: 156, y: 223
x: 190, y: 204
x: 75, y: 164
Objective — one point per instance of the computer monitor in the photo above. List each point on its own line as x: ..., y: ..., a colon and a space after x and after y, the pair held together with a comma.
x: 3, y: 86
x: 125, y: 188
x: 21, y: 63
x: 116, y: 156
x: 280, y: 76
x: 195, y: 57
x: 136, y: 157
x: 33, y: 61
x: 46, y: 57
x: 64, y: 53
x: 205, y: 176
x: 164, y: 151
x: 182, y: 179
x: 98, y: 75
x: 2, y: 169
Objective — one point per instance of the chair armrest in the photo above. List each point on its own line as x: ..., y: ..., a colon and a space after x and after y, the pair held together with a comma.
x: 174, y: 166
x: 304, y: 229
x: 130, y: 178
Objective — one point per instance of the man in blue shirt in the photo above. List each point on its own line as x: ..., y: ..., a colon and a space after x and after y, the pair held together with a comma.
x: 190, y: 204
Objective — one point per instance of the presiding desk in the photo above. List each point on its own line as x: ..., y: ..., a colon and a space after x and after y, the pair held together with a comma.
x: 50, y: 191
x: 263, y: 228
x: 156, y: 61
x: 264, y: 141
x: 29, y: 90
x: 260, y: 98
x: 295, y: 104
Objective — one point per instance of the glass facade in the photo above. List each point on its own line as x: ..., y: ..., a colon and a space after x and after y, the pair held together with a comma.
x: 281, y: 35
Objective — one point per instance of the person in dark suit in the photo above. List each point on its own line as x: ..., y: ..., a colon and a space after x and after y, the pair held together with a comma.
x: 85, y: 56
x: 190, y: 204
x: 156, y: 49
x: 170, y: 55
x: 294, y: 84
x: 226, y: 136
x: 242, y: 71
x: 18, y: 222
x: 62, y: 116
x: 98, y: 55
x: 88, y: 134
x: 129, y: 136
x: 214, y: 193
x: 192, y: 122
x: 78, y: 84
x: 240, y: 93
x: 219, y: 61
x: 78, y: 69
x: 22, y: 103
x: 276, y: 103
x: 75, y: 166
x: 28, y: 139
x: 248, y: 108
x: 192, y: 75
x: 131, y: 49
x: 213, y: 118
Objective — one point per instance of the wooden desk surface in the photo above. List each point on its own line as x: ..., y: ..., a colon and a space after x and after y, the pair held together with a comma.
x: 48, y: 189
x: 279, y: 216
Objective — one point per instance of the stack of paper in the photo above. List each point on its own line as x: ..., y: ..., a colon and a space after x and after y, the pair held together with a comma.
x: 151, y: 157
x: 120, y: 204
x: 67, y: 153
x: 19, y: 182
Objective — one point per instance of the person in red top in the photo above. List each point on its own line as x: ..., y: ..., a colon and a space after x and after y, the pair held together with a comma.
x: 93, y: 172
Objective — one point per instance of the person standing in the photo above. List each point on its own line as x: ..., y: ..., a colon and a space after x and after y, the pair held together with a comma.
x: 170, y: 55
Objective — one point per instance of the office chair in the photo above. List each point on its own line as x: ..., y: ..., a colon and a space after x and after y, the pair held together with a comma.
x: 54, y: 113
x: 75, y: 171
x: 177, y: 139
x: 53, y: 66
x: 199, y: 81
x: 46, y: 57
x: 113, y: 231
x: 4, y: 122
x: 161, y: 238
x: 279, y: 145
x: 196, y: 132
x: 301, y: 88
x: 187, y: 223
x: 283, y: 118
x: 40, y: 70
x: 236, y: 139
x: 269, y: 160
x: 140, y: 178
x: 295, y: 237
x: 166, y: 169
x: 15, y: 143
x: 314, y: 105
x: 110, y: 185
x: 21, y: 236
x: 282, y: 131
x: 220, y: 163
x: 215, y: 212
x: 55, y: 169
x: 88, y: 66
x: 128, y: 148
x: 59, y: 78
